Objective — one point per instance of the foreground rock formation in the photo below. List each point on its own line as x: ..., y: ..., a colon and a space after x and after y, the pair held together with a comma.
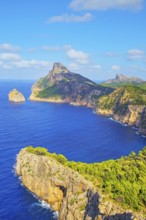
x: 66, y: 190
x: 61, y: 85
x: 16, y: 96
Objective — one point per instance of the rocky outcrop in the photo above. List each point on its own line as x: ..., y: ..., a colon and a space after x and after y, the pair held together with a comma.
x: 126, y: 105
x: 131, y: 117
x: 64, y: 86
x: 66, y: 190
x: 142, y: 123
x: 16, y: 96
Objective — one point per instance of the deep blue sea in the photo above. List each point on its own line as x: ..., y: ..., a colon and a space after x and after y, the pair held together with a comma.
x: 73, y: 131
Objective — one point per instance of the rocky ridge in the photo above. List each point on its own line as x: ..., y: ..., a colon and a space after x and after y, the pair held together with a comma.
x: 66, y: 190
x: 64, y: 86
x: 16, y: 96
x: 123, y: 78
x: 127, y: 105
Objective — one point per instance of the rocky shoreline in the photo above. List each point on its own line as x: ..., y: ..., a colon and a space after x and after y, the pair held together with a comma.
x: 66, y: 190
x: 132, y: 118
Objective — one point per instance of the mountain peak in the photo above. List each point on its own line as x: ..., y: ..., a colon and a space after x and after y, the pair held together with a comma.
x: 121, y: 77
x: 59, y: 68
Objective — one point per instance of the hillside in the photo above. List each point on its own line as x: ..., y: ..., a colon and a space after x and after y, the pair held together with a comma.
x: 122, y: 80
x: 125, y: 104
x: 61, y: 85
x: 111, y: 190
x: 142, y: 85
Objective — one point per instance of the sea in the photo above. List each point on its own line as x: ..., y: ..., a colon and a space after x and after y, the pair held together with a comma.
x: 76, y: 132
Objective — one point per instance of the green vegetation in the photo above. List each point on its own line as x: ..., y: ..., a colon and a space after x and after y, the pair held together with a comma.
x: 116, y: 84
x: 119, y: 100
x: 51, y: 91
x: 142, y: 85
x: 41, y: 151
x: 123, y: 180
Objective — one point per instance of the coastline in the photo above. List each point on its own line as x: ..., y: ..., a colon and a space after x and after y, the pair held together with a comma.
x: 95, y: 111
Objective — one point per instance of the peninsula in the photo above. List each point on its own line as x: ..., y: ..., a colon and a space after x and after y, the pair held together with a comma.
x: 110, y: 190
x: 61, y: 85
x: 125, y: 103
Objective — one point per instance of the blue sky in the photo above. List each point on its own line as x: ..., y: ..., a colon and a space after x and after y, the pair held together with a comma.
x: 96, y: 38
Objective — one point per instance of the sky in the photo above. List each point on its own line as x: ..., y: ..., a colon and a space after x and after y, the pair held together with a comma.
x: 96, y: 38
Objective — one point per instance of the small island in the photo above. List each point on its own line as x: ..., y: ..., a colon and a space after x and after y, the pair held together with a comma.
x: 16, y: 96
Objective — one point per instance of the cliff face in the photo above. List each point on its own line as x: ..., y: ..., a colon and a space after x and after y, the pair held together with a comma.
x: 16, y: 96
x: 61, y: 85
x: 125, y: 104
x: 66, y: 190
x: 142, y: 123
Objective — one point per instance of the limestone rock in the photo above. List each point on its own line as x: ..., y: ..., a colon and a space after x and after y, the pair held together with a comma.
x: 66, y: 190
x: 16, y: 96
x: 62, y: 85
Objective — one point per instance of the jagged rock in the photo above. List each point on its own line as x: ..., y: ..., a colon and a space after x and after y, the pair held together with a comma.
x: 66, y: 190
x: 16, y: 96
x: 61, y: 85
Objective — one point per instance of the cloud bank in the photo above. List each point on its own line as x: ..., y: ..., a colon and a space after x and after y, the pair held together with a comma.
x: 71, y: 18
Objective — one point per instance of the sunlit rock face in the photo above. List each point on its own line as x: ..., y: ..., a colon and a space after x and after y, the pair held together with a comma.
x: 16, y: 96
x: 66, y: 190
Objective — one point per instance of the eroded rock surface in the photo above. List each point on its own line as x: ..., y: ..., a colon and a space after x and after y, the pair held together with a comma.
x: 16, y: 96
x: 66, y: 190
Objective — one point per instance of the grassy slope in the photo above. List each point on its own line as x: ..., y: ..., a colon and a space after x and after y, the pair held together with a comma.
x: 123, y: 180
x: 142, y: 85
x: 121, y: 98
x: 116, y: 85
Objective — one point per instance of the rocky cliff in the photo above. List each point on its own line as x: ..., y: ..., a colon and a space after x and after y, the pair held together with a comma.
x: 125, y: 104
x: 16, y: 96
x: 64, y: 86
x: 66, y: 190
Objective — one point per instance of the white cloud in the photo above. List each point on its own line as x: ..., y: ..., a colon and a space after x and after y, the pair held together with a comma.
x: 135, y: 54
x: 79, y: 57
x: 55, y: 48
x: 8, y: 47
x: 74, y: 66
x: 106, y: 4
x: 71, y: 18
x: 116, y: 68
x: 10, y: 56
x: 30, y: 64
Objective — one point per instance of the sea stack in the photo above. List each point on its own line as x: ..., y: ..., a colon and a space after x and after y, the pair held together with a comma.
x: 16, y: 96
